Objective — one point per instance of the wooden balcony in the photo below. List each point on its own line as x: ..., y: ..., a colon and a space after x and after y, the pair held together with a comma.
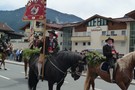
x: 116, y: 38
x: 80, y: 38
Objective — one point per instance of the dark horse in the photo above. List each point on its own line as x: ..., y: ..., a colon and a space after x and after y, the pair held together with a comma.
x: 123, y: 73
x: 55, y: 69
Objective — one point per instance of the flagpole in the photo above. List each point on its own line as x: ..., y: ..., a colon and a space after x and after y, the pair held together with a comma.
x: 44, y: 39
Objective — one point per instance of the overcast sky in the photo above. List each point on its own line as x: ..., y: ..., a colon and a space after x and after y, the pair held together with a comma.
x: 80, y: 8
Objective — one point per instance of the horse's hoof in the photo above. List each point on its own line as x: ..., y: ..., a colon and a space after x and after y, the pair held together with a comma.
x: 26, y: 77
x: 5, y: 69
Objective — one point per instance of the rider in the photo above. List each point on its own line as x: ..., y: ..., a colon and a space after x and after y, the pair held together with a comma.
x: 51, y: 48
x: 3, y: 47
x: 108, y: 52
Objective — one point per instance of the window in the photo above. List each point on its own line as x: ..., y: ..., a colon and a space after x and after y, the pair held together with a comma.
x: 76, y: 43
x: 98, y: 21
x: 123, y: 33
x: 89, y: 43
x: 61, y: 34
x: 112, y: 33
x: 84, y: 43
x: 103, y: 33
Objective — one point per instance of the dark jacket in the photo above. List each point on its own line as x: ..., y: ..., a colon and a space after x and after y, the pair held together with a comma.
x: 107, y: 51
x: 3, y: 46
x: 48, y: 44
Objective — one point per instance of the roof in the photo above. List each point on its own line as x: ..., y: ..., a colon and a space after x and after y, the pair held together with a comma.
x: 98, y: 16
x: 50, y: 25
x: 131, y: 14
x: 125, y: 19
x: 4, y: 27
x: 17, y: 34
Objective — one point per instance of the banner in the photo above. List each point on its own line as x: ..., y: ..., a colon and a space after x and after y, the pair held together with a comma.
x: 35, y: 10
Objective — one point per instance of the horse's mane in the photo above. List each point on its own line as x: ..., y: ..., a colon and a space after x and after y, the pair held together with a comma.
x: 68, y: 55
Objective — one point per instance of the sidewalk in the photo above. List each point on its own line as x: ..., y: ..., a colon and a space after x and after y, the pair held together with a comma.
x: 22, y: 64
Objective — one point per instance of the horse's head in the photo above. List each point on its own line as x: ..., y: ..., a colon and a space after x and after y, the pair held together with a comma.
x: 76, y: 70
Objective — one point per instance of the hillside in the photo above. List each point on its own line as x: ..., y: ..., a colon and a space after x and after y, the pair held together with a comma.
x: 14, y: 18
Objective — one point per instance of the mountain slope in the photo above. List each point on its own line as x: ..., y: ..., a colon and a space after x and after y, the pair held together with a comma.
x: 14, y: 18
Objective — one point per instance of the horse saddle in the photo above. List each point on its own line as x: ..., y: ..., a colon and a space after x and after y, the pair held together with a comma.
x: 105, y: 66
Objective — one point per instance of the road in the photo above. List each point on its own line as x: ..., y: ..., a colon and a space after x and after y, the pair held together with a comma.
x: 13, y: 79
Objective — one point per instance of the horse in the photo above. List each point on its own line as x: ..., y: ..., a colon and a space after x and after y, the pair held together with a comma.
x: 123, y: 72
x: 55, y: 68
x: 3, y: 52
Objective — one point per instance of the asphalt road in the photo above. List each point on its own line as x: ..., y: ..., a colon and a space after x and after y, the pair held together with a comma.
x: 13, y: 79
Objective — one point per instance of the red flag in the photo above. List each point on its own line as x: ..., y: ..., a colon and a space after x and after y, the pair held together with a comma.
x: 35, y: 10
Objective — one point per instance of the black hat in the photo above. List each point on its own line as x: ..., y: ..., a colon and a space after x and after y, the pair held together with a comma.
x: 109, y: 39
x: 53, y: 32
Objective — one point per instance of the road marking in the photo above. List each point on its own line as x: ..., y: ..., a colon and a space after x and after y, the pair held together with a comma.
x: 23, y: 72
x: 97, y: 89
x: 65, y: 81
x: 4, y: 77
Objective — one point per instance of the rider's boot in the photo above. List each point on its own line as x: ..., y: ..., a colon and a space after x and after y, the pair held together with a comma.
x: 39, y: 70
x: 40, y: 62
x: 111, y: 74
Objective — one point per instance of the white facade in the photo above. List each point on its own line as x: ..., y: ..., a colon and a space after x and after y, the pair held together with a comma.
x: 97, y: 36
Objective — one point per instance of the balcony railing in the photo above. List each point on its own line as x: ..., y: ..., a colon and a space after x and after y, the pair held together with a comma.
x: 81, y: 38
x: 116, y: 38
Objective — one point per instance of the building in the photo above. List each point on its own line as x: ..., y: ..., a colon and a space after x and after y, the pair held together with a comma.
x: 8, y: 32
x: 92, y: 32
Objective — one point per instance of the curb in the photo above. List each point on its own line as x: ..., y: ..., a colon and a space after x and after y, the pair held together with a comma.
x: 14, y: 62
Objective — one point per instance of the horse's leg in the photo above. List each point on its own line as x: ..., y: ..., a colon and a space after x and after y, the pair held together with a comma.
x: 25, y: 68
x: 93, y: 83
x: 122, y: 85
x: 59, y: 85
x: 50, y: 85
x: 3, y: 61
x: 32, y: 80
x: 87, y: 81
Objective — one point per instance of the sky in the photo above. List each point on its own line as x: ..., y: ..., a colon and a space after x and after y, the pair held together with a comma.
x: 81, y: 8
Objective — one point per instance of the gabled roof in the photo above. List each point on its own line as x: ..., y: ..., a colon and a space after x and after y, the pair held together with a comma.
x: 98, y: 16
x: 130, y: 14
x: 4, y: 27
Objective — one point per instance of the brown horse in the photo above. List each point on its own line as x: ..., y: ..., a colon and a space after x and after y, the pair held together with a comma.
x: 123, y: 73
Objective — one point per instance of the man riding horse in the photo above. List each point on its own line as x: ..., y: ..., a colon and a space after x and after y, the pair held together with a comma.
x: 109, y: 52
x: 3, y: 47
x: 51, y: 48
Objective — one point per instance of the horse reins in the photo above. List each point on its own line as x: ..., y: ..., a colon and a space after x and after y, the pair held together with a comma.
x: 65, y: 73
x: 57, y: 67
